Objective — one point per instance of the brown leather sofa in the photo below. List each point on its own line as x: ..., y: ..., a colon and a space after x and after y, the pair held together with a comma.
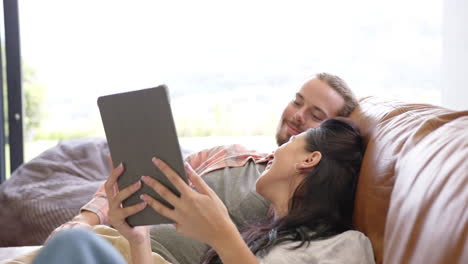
x: 412, y: 196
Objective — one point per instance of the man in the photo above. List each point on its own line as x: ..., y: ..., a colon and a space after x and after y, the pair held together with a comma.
x: 231, y: 171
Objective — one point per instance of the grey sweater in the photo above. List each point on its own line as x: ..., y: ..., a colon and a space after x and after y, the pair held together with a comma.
x: 350, y: 247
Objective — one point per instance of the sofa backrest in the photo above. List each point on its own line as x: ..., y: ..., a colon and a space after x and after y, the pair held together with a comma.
x: 412, y: 194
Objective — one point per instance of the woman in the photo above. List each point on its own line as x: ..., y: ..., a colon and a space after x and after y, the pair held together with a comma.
x: 310, y: 184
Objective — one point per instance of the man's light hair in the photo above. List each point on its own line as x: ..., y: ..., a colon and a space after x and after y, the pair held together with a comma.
x: 340, y: 86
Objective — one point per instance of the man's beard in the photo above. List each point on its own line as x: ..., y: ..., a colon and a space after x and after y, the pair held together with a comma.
x: 280, y: 141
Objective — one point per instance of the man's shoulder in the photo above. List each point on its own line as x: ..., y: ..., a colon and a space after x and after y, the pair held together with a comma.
x: 234, y: 155
x: 231, y: 150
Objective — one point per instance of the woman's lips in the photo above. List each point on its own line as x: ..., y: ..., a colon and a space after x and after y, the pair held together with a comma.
x: 293, y: 130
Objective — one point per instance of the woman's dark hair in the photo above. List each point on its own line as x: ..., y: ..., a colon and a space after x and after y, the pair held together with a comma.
x: 322, y: 205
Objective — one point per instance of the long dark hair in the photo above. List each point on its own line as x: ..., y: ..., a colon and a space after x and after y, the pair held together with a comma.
x: 322, y: 205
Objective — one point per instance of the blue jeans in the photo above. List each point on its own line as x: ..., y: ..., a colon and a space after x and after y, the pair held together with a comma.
x: 78, y: 246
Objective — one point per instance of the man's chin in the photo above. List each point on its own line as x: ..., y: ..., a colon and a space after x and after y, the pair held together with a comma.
x: 280, y: 140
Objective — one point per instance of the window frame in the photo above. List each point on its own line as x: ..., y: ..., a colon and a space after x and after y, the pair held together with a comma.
x: 14, y: 90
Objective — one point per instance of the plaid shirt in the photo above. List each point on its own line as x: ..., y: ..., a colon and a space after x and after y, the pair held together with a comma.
x: 202, y: 162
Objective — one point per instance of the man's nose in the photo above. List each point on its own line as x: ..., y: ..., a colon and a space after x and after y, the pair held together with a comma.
x: 299, y: 116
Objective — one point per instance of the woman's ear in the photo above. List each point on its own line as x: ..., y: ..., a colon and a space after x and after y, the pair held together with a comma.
x: 310, y: 161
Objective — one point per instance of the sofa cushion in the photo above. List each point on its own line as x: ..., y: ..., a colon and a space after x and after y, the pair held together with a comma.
x: 50, y: 189
x: 428, y: 216
x: 391, y: 130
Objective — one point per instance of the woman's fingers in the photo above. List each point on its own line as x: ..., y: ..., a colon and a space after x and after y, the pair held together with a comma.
x: 131, y: 210
x: 109, y: 159
x: 124, y: 194
x: 117, y: 215
x: 111, y: 187
x: 162, y: 190
x: 173, y: 177
x: 160, y: 208
x: 110, y: 184
x: 197, y: 181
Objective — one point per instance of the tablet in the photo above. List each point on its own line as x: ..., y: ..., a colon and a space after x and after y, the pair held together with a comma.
x: 139, y: 126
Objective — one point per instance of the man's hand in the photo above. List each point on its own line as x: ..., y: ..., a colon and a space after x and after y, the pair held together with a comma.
x: 85, y: 219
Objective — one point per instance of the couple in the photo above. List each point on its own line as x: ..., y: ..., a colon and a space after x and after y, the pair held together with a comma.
x: 292, y: 206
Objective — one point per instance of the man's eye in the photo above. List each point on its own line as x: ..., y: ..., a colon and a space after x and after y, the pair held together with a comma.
x: 295, y: 102
x: 317, y: 118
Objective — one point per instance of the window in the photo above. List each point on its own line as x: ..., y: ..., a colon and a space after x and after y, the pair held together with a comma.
x: 231, y: 66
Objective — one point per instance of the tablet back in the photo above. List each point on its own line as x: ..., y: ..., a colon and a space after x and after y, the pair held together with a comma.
x: 139, y: 126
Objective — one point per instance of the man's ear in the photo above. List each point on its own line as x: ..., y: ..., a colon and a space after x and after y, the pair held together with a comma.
x: 310, y: 161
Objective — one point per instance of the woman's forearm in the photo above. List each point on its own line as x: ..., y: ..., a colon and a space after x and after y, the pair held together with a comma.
x: 232, y: 249
x: 141, y: 252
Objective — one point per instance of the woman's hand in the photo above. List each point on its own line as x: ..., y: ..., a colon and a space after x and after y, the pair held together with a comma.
x: 117, y: 214
x: 198, y: 215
